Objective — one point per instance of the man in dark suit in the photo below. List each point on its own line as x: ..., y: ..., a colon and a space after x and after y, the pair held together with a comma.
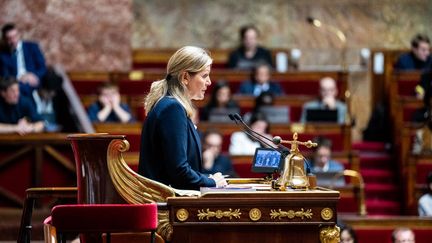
x: 21, y: 59
x: 213, y: 159
x: 418, y: 58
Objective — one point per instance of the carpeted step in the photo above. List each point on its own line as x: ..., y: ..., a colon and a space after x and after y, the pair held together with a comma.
x: 382, y: 191
x: 375, y: 160
x: 378, y: 176
x: 370, y: 146
x: 383, y: 207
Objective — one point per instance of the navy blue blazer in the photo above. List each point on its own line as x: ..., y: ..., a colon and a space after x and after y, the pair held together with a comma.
x: 33, y: 58
x: 248, y: 87
x: 170, y: 147
x: 408, y: 61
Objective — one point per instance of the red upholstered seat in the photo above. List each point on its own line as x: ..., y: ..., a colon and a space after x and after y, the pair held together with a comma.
x: 104, y: 218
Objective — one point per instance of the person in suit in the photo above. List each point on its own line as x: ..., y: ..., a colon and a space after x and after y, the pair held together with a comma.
x: 250, y: 52
x: 322, y: 159
x: 260, y: 82
x: 21, y: 59
x: 221, y: 102
x: 418, y: 58
x: 327, y: 101
x: 17, y: 113
x: 213, y: 159
x: 170, y: 145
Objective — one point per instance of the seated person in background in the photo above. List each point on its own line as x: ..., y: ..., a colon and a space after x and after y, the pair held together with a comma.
x: 264, y: 103
x: 109, y: 108
x: 249, y: 53
x: 419, y: 58
x: 327, y: 101
x: 21, y: 59
x: 260, y: 82
x: 322, y: 159
x: 52, y: 104
x: 220, y: 102
x: 242, y: 144
x: 213, y: 160
x: 348, y: 235
x: 403, y: 235
x: 425, y: 201
x: 17, y: 112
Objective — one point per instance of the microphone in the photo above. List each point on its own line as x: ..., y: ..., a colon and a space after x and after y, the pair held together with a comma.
x: 257, y: 136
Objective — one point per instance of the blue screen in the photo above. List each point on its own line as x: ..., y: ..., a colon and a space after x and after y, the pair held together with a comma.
x: 267, y: 158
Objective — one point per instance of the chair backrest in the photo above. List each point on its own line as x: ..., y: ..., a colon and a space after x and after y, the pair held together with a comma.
x: 93, y: 178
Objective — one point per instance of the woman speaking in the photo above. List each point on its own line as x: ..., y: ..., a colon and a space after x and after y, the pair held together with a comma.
x: 170, y: 145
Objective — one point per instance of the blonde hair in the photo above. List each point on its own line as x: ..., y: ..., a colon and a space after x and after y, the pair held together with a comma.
x: 187, y: 59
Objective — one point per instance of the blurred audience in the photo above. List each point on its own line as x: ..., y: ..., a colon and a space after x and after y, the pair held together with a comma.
x: 249, y: 53
x: 403, y: 235
x: 17, y: 112
x: 52, y: 104
x: 220, y: 102
x: 322, y: 157
x: 213, y: 159
x: 348, y: 235
x: 264, y: 103
x: 419, y: 57
x: 327, y: 101
x: 242, y: 144
x: 422, y: 143
x: 260, y: 82
x: 21, y: 59
x: 425, y: 201
x: 108, y: 107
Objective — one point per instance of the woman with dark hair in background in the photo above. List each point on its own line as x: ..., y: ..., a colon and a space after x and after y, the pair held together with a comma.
x: 220, y: 101
x: 348, y: 235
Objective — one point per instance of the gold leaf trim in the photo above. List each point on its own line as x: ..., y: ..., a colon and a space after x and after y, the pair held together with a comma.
x: 255, y: 214
x: 218, y: 214
x: 330, y: 234
x: 182, y: 214
x: 326, y: 213
x: 290, y: 214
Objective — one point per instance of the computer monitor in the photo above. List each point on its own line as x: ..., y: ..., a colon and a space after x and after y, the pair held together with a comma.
x: 276, y: 114
x: 221, y: 114
x: 321, y: 115
x: 267, y: 160
x: 329, y: 179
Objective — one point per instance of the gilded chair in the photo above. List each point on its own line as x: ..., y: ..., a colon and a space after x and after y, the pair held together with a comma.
x: 103, y: 177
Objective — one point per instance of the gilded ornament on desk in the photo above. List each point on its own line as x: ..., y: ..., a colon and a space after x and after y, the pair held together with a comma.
x: 218, y: 214
x: 255, y: 214
x: 330, y: 234
x: 291, y: 214
x: 294, y: 173
x: 326, y: 213
x: 182, y: 214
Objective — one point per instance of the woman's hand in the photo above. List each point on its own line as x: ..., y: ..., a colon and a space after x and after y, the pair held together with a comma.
x: 219, y: 179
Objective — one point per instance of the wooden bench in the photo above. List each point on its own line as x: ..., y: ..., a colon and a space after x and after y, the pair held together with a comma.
x: 158, y: 58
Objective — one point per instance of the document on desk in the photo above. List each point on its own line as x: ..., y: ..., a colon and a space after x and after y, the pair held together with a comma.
x: 236, y: 188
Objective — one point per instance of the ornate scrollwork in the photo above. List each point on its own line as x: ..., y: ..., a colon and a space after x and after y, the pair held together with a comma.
x: 136, y: 189
x: 218, y: 214
x: 330, y: 234
x: 291, y: 214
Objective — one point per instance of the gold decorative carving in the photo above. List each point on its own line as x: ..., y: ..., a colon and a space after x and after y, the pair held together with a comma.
x: 255, y: 214
x: 218, y: 214
x: 291, y: 214
x: 136, y: 189
x: 330, y: 234
x: 326, y: 213
x: 182, y: 214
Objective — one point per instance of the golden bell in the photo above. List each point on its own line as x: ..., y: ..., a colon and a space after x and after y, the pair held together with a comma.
x: 294, y: 173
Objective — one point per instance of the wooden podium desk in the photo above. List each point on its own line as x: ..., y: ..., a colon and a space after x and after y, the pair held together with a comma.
x: 261, y: 216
